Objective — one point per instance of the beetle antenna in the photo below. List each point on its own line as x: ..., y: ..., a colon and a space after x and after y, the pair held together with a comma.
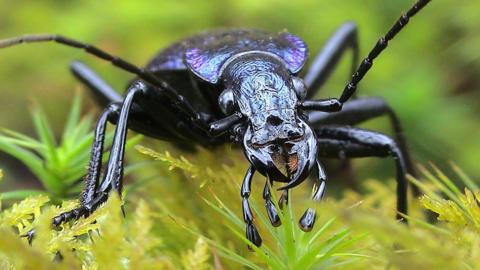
x: 92, y: 50
x: 382, y: 43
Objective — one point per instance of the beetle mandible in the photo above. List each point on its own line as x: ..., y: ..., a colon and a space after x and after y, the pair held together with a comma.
x: 241, y: 86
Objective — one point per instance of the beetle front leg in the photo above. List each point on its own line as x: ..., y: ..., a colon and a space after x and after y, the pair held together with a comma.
x: 112, y: 179
x: 94, y: 168
x: 95, y: 165
x: 251, y: 231
x: 308, y: 218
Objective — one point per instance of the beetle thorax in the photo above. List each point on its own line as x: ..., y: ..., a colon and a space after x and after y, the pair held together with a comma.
x: 264, y: 93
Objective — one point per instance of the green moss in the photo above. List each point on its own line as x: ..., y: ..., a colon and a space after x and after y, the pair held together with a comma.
x: 355, y: 232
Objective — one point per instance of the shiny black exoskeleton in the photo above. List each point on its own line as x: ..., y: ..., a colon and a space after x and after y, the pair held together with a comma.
x: 241, y: 86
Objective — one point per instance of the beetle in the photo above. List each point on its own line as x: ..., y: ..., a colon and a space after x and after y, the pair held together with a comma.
x: 241, y: 86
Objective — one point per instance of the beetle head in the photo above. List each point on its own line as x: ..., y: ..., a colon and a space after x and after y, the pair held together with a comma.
x: 285, y: 152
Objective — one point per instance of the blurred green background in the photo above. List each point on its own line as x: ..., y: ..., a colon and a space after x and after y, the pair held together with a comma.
x: 430, y: 74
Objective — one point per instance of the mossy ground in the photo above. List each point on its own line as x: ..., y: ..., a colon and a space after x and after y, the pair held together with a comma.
x: 194, y: 222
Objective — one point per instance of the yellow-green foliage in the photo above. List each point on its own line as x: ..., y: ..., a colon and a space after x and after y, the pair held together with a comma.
x: 452, y: 242
x: 190, y: 218
x: 198, y: 258
x: 109, y: 243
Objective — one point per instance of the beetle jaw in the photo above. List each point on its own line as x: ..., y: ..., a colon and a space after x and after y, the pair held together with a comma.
x: 287, y: 161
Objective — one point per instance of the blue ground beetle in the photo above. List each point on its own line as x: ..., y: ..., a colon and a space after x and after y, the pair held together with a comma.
x: 241, y: 86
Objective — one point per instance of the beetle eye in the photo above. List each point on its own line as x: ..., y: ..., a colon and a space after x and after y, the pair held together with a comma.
x: 300, y: 88
x: 226, y: 101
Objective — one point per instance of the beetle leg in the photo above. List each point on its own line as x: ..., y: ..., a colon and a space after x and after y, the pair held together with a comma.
x: 251, y: 231
x: 95, y: 164
x: 94, y: 168
x: 140, y: 120
x: 360, y: 110
x: 104, y: 93
x: 112, y: 179
x: 344, y: 38
x: 114, y: 172
x: 270, y: 206
x: 355, y: 142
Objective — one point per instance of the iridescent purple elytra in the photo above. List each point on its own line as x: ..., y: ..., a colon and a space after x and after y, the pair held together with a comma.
x: 205, y: 54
